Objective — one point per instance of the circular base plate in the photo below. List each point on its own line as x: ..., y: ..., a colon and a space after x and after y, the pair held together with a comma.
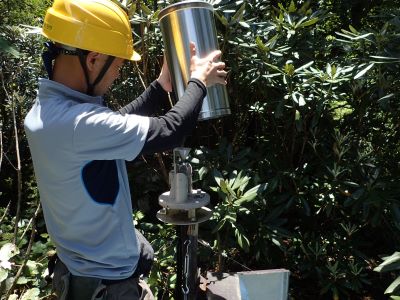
x: 194, y: 200
x: 180, y: 217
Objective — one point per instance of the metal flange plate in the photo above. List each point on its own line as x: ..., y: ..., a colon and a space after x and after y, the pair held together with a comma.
x: 195, y: 200
x: 181, y: 217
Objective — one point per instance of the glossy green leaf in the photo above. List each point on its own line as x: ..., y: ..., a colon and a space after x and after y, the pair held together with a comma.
x: 239, y: 14
x: 5, y: 47
x: 22, y: 280
x: 292, y: 7
x: 218, y: 176
x: 309, y: 22
x: 7, y: 251
x: 363, y: 71
x: 31, y: 294
x: 145, y: 9
x: 252, y: 193
x: 393, y: 286
x: 390, y: 263
x: 222, y: 19
x: 261, y: 45
x: 3, y: 274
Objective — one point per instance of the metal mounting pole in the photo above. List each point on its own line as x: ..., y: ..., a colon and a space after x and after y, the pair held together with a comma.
x: 190, y: 270
x: 185, y: 208
x: 179, y: 262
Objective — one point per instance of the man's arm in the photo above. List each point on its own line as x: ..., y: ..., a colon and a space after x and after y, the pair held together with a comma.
x: 148, y: 102
x: 168, y: 131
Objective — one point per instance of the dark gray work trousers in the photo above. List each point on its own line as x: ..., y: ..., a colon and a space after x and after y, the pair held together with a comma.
x: 69, y: 287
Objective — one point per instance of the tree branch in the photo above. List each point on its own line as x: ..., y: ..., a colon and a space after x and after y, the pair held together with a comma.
x: 28, y: 252
x: 1, y: 145
x: 19, y: 174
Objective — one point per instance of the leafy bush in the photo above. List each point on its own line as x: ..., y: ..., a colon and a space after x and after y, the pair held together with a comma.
x: 23, y: 260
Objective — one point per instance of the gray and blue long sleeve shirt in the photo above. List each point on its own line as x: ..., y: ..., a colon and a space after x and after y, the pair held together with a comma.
x: 79, y: 148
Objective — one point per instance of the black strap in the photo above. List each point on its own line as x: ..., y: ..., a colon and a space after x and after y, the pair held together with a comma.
x: 50, y: 54
x: 90, y: 86
x: 82, y: 59
x: 103, y: 71
x: 52, y: 51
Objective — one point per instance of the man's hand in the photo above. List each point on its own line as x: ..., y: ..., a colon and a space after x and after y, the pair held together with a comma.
x: 165, y: 77
x: 207, y: 69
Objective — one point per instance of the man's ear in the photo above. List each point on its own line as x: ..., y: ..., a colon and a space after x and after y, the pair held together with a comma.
x: 91, y: 59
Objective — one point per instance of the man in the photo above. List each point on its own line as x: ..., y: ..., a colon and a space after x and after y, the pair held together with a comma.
x: 79, y: 146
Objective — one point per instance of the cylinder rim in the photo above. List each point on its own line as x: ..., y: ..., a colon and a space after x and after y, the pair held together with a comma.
x: 184, y: 5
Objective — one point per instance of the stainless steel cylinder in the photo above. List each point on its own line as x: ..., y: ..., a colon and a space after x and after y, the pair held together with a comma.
x: 182, y: 23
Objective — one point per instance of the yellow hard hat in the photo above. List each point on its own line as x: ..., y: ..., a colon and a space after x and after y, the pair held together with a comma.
x: 95, y: 25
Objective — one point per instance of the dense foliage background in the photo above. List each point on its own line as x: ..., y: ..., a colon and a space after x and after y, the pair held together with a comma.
x: 304, y: 174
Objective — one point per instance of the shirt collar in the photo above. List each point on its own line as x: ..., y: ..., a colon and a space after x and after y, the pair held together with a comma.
x: 49, y: 88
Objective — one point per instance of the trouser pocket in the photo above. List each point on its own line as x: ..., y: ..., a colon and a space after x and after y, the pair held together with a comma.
x: 61, y: 281
x: 86, y: 288
x: 64, y: 287
x: 69, y: 287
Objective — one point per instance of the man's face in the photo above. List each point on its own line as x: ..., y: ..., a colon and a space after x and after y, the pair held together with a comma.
x: 109, y: 77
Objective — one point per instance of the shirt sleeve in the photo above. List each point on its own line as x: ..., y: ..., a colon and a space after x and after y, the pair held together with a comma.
x: 169, y: 130
x: 101, y: 134
x: 149, y: 102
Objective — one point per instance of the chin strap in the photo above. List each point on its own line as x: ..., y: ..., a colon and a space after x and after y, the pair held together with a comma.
x: 52, y: 51
x: 107, y: 64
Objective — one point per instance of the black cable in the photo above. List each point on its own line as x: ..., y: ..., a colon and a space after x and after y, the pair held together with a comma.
x: 207, y: 245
